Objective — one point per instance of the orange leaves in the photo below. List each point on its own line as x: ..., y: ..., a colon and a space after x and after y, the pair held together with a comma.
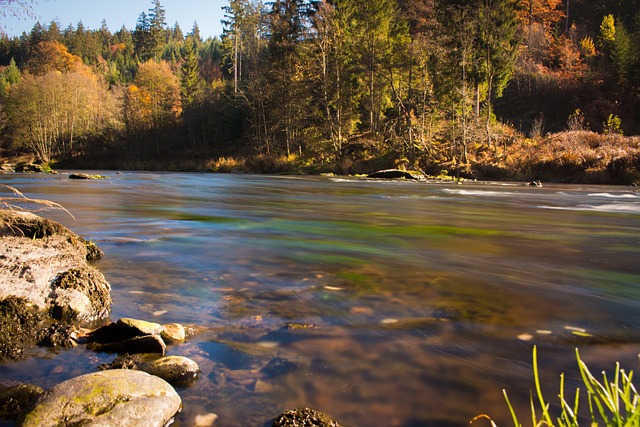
x: 53, y: 56
x: 154, y: 99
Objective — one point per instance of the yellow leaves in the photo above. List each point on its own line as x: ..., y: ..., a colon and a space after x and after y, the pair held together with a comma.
x: 51, y: 56
x: 154, y: 98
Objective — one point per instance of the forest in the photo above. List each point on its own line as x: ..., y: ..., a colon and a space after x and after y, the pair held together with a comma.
x: 486, y: 89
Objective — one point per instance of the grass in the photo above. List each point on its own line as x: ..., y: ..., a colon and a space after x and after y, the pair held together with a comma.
x: 611, y: 401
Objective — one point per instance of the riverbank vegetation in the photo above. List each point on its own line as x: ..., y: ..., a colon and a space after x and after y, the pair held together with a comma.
x: 614, y: 401
x: 489, y: 89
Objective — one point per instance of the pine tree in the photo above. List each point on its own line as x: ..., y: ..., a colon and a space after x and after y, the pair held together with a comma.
x: 189, y: 73
x: 157, y: 29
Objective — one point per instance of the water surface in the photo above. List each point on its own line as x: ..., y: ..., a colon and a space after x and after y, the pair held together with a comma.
x: 380, y: 303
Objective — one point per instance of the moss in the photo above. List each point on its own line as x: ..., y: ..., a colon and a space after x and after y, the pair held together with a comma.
x: 87, y: 282
x: 304, y: 418
x: 20, y: 327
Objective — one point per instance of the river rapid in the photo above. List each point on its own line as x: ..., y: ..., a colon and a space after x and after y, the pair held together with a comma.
x: 381, y: 303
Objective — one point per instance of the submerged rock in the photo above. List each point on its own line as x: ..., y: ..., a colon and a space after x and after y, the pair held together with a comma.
x: 14, y: 400
x: 115, y: 398
x: 304, y: 418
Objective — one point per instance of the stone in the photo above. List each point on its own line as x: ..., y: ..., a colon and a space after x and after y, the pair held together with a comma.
x: 115, y: 398
x: 139, y: 327
x: 20, y: 322
x: 59, y: 335
x: 15, y: 399
x: 85, y: 176
x: 143, y: 344
x: 397, y: 174
x: 45, y: 264
x: 304, y: 417
x: 173, y: 369
x: 173, y: 333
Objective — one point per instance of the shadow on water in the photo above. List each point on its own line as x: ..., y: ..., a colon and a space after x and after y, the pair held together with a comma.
x: 406, y: 302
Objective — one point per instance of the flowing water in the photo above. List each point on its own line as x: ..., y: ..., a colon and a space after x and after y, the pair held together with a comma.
x: 379, y: 303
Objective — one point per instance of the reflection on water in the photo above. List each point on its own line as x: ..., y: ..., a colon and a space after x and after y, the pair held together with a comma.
x: 394, y: 303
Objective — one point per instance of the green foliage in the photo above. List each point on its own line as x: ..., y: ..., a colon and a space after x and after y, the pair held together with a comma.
x: 612, y: 402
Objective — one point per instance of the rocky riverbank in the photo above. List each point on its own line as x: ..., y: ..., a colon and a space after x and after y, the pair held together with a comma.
x: 51, y: 296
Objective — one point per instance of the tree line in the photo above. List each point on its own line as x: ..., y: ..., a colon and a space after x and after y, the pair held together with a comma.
x: 336, y: 82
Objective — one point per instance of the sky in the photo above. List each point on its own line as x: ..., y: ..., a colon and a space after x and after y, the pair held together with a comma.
x: 207, y: 13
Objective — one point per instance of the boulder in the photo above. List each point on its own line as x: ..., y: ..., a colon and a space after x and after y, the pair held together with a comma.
x: 304, y: 417
x: 128, y: 335
x: 15, y: 399
x: 136, y: 345
x: 85, y: 176
x: 139, y: 327
x: 115, y: 398
x: 397, y: 174
x: 44, y: 270
x: 173, y: 369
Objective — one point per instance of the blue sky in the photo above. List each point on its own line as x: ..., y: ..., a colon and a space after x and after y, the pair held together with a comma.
x: 207, y: 13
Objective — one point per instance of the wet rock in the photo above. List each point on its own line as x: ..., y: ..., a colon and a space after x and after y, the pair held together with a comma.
x: 397, y: 174
x: 176, y: 370
x: 85, y: 176
x: 14, y: 400
x: 143, y: 344
x: 45, y: 264
x: 139, y: 327
x: 20, y: 322
x: 304, y: 418
x: 173, y: 333
x: 128, y: 335
x: 82, y: 294
x: 29, y: 167
x: 173, y: 369
x: 115, y: 398
x: 58, y: 335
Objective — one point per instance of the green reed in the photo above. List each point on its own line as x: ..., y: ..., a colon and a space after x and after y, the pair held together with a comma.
x: 612, y: 402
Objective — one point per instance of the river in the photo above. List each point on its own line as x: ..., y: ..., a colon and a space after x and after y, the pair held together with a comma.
x: 380, y: 303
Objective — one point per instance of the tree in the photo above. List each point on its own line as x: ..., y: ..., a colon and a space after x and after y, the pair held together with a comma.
x: 54, y: 56
x: 499, y: 46
x: 50, y: 113
x: 190, y: 72
x: 157, y: 29
x: 153, y: 100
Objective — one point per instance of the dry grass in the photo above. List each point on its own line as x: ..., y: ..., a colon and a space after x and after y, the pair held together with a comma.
x: 19, y: 200
x: 576, y: 156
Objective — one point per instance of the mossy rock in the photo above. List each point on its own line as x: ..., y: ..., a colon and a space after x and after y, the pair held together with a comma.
x: 114, y: 398
x: 14, y: 400
x: 29, y: 225
x: 20, y: 323
x: 304, y: 418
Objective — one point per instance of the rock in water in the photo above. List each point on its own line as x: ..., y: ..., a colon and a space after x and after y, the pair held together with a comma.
x: 14, y: 400
x: 304, y: 418
x: 44, y: 263
x: 117, y: 398
x: 173, y: 369
x: 173, y: 333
